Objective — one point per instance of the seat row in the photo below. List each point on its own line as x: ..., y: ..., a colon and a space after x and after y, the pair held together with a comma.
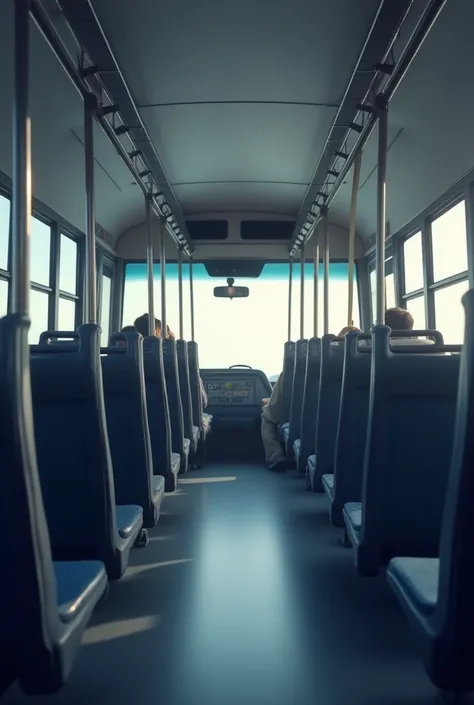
x: 90, y: 439
x: 390, y: 424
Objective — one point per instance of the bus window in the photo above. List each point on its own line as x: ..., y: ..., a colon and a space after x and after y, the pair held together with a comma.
x: 105, y: 308
x: 66, y: 314
x: 3, y: 297
x: 390, y: 299
x: 4, y: 230
x: 413, y: 263
x: 68, y: 265
x: 39, y: 302
x: 448, y: 233
x: 40, y: 249
x: 250, y: 331
x: 449, y: 312
x: 416, y: 307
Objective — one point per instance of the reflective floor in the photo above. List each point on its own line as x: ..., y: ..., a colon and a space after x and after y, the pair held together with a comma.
x: 245, y: 596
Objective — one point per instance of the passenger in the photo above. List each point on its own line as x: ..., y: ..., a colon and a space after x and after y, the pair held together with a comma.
x: 125, y: 329
x: 271, y: 418
x: 141, y: 324
x: 401, y: 319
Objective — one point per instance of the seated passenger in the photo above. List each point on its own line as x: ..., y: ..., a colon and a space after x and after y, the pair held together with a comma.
x: 125, y: 329
x: 271, y: 418
x: 401, y: 319
x: 141, y: 324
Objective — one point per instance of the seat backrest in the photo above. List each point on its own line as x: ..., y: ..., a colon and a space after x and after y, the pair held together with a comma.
x: 310, y: 402
x: 288, y: 371
x: 157, y: 406
x: 127, y: 419
x: 72, y: 445
x: 332, y: 359
x: 185, y: 387
x: 297, y: 392
x: 455, y: 607
x: 352, y: 422
x: 194, y: 381
x: 28, y: 612
x: 408, y: 450
x: 170, y: 363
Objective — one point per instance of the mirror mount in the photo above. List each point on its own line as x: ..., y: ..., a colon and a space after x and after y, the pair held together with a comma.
x: 230, y: 291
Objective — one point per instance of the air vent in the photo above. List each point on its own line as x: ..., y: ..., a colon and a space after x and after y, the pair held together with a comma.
x: 266, y: 229
x: 208, y: 229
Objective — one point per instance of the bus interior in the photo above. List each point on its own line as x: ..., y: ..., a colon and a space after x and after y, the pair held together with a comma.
x: 256, y: 176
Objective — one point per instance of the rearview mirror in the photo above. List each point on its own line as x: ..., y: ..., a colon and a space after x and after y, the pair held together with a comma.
x: 230, y: 291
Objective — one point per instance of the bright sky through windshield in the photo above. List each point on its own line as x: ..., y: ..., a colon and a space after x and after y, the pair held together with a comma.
x: 250, y: 331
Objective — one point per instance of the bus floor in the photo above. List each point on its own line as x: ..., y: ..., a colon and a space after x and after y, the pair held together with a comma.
x: 245, y: 596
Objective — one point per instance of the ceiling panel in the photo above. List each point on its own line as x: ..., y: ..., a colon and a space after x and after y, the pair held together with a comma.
x: 270, y: 198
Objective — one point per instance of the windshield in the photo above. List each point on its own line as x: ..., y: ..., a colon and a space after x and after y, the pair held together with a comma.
x: 250, y: 331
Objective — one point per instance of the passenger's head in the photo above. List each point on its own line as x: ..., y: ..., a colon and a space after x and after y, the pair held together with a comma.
x: 141, y: 325
x: 348, y: 329
x: 399, y: 319
x: 125, y: 329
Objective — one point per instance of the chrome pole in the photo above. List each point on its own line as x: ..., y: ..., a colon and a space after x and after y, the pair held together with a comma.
x: 316, y: 284
x: 21, y: 196
x: 352, y: 234
x: 191, y: 292
x: 149, y: 259
x: 290, y: 293
x: 324, y: 213
x: 302, y: 292
x: 90, y: 109
x: 382, y: 106
x: 180, y: 293
x: 164, y: 329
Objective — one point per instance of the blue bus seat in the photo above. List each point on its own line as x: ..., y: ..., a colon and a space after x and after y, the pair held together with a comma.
x: 129, y: 516
x: 327, y: 417
x: 328, y: 484
x: 297, y: 393
x: 352, y: 514
x: 409, y: 443
x: 196, y: 396
x: 176, y: 459
x: 170, y: 364
x: 310, y: 404
x: 437, y: 594
x: 297, y: 449
x: 352, y: 427
x: 185, y: 392
x: 285, y: 432
x: 127, y: 426
x: 45, y: 607
x: 70, y: 422
x: 158, y: 412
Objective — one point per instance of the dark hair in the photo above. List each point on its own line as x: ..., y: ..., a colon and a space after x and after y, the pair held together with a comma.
x: 399, y: 319
x: 141, y: 324
x: 128, y: 329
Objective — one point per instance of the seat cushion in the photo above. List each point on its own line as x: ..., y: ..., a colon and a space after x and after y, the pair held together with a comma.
x: 328, y: 484
x: 297, y: 447
x: 77, y: 584
x: 158, y: 484
x: 286, y: 433
x: 186, y: 446
x: 353, y: 512
x: 129, y: 516
x: 195, y: 434
x: 175, y: 462
x: 208, y: 418
x: 312, y: 462
x: 415, y: 581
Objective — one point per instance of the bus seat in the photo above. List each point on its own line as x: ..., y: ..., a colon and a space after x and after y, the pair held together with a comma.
x: 176, y: 459
x: 158, y: 412
x: 185, y: 392
x: 328, y: 484
x: 297, y: 393
x: 296, y: 449
x: 310, y: 404
x: 127, y: 427
x: 352, y: 428
x: 128, y: 517
x: 409, y: 444
x: 196, y: 398
x: 70, y: 422
x: 40, y: 628
x: 288, y: 371
x: 437, y: 595
x: 332, y: 359
x: 170, y: 364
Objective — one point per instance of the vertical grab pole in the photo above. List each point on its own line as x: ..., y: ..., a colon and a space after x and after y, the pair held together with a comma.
x: 164, y: 329
x: 191, y: 292
x: 21, y: 197
x: 352, y: 233
x: 302, y: 292
x: 290, y: 291
x: 316, y: 284
x: 149, y: 259
x: 381, y: 207
x: 90, y: 107
x: 324, y: 213
x: 180, y: 293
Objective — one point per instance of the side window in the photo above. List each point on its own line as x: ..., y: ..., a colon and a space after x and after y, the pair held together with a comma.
x: 105, y: 305
x: 449, y: 247
x: 390, y: 299
x: 68, y: 298
x: 4, y: 231
x: 40, y: 275
x: 413, y: 263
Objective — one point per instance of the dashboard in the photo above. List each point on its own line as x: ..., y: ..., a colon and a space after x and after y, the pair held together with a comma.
x: 227, y: 390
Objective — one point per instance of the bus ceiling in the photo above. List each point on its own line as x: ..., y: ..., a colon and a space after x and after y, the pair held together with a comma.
x: 242, y: 134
